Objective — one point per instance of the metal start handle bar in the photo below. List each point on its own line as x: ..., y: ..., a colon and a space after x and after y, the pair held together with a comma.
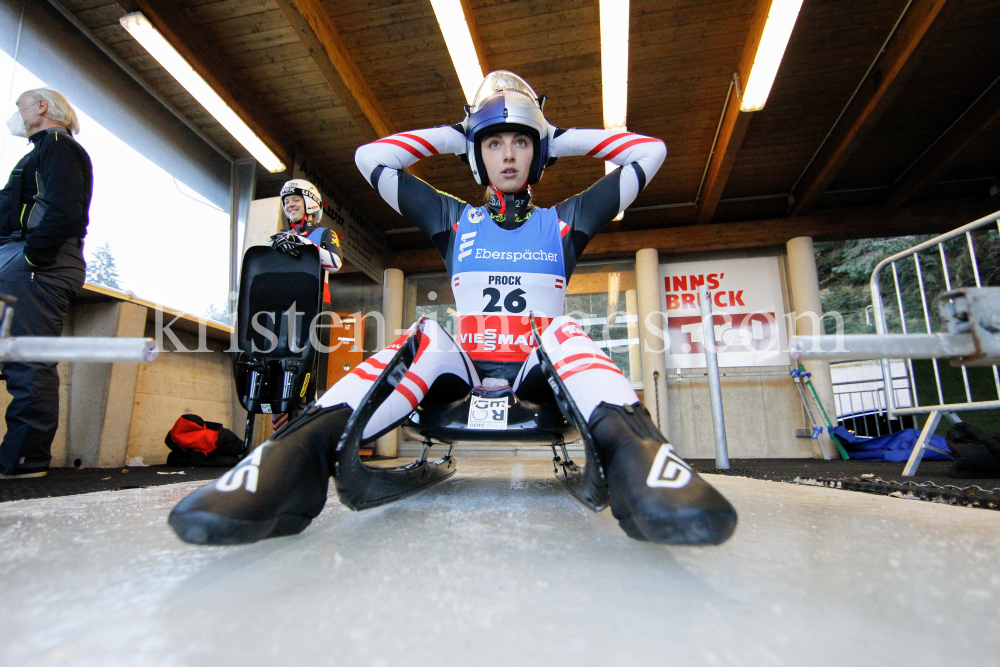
x: 53, y: 349
x: 970, y: 318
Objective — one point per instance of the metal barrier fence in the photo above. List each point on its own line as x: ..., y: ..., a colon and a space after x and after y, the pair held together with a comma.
x: 983, y: 228
x: 861, y: 403
x: 964, y: 261
x: 969, y: 334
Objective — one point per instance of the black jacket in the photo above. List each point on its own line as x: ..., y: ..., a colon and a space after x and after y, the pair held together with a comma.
x: 56, y: 185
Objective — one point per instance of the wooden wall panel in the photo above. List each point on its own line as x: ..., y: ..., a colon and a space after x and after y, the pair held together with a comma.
x: 175, y: 385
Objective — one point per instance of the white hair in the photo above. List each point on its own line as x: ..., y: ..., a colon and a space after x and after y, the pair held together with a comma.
x: 59, y: 111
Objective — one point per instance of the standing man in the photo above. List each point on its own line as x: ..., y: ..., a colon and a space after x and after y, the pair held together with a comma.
x: 43, y: 219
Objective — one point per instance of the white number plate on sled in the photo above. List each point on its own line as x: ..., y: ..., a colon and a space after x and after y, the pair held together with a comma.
x: 488, y: 413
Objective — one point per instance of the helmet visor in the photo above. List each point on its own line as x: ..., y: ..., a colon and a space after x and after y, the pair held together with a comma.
x: 500, y: 82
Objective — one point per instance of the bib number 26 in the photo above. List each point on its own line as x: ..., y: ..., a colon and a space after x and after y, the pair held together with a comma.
x: 514, y: 302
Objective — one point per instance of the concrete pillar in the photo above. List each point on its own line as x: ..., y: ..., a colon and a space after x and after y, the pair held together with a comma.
x: 808, y: 309
x: 102, y: 395
x: 652, y: 336
x: 392, y: 305
x: 634, y: 355
x: 392, y: 311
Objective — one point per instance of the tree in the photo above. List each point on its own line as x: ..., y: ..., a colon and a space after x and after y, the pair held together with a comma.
x: 101, y: 268
x: 845, y: 268
x: 219, y: 313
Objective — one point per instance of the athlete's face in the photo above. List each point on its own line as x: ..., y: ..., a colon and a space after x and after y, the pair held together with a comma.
x: 295, y: 208
x: 507, y: 157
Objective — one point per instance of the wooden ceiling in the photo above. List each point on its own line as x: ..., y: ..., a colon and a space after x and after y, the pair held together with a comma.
x: 883, y: 118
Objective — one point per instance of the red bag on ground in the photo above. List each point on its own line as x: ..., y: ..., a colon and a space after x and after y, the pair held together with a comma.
x: 193, y: 435
x: 193, y: 442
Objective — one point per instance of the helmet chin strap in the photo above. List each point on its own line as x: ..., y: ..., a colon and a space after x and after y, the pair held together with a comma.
x: 519, y: 208
x: 497, y: 199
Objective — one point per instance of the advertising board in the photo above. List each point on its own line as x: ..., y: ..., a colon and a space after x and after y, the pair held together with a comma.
x: 747, y: 311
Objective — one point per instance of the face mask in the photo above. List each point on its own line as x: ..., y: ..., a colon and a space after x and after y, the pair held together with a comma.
x: 18, y: 126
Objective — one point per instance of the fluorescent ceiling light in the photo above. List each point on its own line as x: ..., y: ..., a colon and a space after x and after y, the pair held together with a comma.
x: 614, y: 61
x: 614, y: 69
x: 780, y: 21
x: 456, y: 33
x: 150, y: 38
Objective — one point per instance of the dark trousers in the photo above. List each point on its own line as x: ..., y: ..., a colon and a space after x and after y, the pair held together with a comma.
x: 43, y: 298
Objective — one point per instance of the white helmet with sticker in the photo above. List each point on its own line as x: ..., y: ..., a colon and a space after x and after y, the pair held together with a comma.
x: 310, y: 196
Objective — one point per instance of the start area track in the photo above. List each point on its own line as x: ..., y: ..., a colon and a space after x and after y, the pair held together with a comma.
x: 499, y: 566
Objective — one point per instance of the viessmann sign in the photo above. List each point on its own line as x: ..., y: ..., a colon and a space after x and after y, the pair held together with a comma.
x: 747, y: 311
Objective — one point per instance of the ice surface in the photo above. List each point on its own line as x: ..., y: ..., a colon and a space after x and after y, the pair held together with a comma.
x: 499, y: 566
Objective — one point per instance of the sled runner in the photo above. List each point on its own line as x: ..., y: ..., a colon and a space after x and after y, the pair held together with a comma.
x: 360, y: 485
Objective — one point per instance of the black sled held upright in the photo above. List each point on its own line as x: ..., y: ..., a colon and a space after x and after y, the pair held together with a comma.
x: 279, y: 297
x: 446, y: 421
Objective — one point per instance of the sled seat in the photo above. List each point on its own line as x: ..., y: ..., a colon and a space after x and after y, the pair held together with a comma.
x: 452, y: 414
x: 477, y: 418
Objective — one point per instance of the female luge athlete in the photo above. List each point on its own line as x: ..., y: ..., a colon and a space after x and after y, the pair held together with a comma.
x: 507, y: 259
x: 302, y: 205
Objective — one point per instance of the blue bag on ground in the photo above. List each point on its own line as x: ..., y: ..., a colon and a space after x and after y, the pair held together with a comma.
x: 893, y: 447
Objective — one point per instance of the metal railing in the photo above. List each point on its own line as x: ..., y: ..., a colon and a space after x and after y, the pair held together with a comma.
x: 935, y: 411
x: 54, y: 349
x: 862, y: 407
x: 881, y: 324
x: 970, y: 334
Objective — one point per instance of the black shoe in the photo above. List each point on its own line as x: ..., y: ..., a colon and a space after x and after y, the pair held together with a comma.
x: 655, y: 495
x: 277, y: 490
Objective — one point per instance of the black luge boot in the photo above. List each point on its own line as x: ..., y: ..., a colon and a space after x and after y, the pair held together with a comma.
x: 277, y: 490
x: 655, y: 495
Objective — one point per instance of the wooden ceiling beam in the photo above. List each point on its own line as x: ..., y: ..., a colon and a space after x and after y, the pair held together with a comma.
x: 210, y: 64
x: 328, y: 49
x: 330, y: 53
x: 981, y: 114
x: 734, y: 124
x: 920, y: 219
x: 477, y: 41
x: 917, y: 30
